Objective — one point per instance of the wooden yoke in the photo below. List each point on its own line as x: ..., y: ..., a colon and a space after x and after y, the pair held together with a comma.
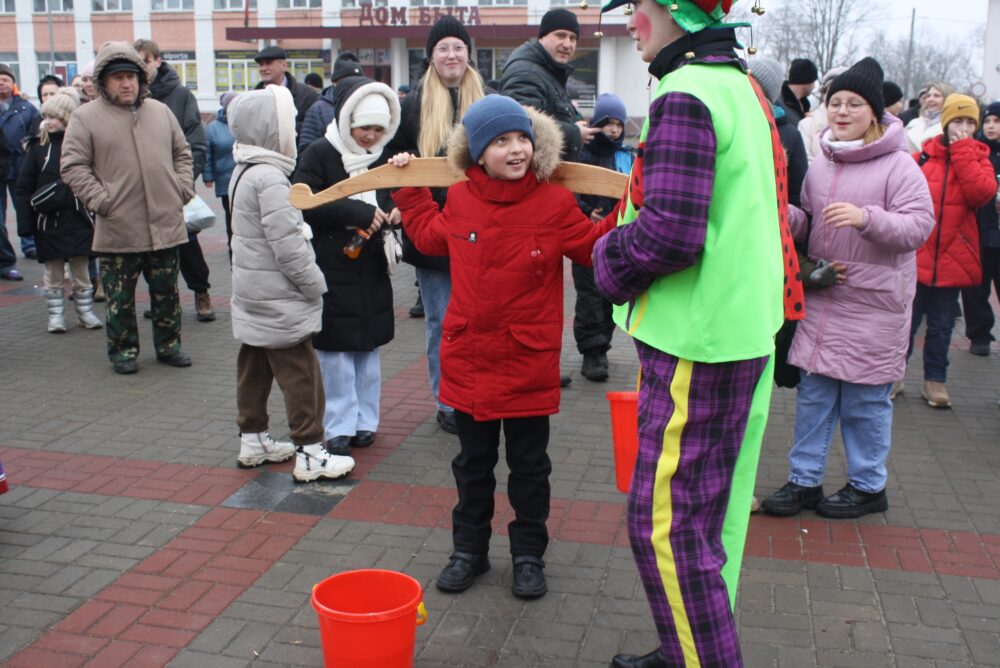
x: 435, y: 173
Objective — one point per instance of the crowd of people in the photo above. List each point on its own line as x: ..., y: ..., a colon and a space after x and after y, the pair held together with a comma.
x: 787, y: 203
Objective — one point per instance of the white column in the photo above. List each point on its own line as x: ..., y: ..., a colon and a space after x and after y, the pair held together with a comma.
x: 607, y: 64
x: 330, y: 15
x: 399, y: 60
x: 537, y: 9
x: 208, y: 96
x: 991, y: 59
x: 266, y: 11
x: 26, y: 57
x: 141, y: 10
x: 85, y: 47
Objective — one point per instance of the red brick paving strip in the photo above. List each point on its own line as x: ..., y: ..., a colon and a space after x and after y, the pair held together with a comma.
x: 156, y: 609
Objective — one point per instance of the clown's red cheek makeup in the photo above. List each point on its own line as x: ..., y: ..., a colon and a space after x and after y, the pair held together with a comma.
x: 643, y: 27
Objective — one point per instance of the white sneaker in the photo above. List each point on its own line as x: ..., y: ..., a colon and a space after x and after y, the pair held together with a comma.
x: 313, y: 462
x: 257, y: 449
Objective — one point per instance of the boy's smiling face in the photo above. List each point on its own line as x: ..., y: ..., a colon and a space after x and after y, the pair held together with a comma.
x: 508, y: 156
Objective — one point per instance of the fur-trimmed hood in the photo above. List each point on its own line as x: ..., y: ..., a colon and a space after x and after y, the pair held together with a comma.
x: 120, y: 51
x: 548, y: 146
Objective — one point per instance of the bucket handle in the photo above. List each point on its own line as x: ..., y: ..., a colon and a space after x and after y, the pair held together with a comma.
x: 421, y: 614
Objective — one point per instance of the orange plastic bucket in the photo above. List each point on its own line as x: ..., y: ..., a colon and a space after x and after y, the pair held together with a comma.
x: 625, y: 434
x: 368, y: 618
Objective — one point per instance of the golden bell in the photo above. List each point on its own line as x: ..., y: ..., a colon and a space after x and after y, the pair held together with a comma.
x: 598, y: 34
x: 752, y: 50
x: 758, y: 10
x: 628, y: 10
x: 674, y: 7
x: 689, y: 55
x: 583, y: 4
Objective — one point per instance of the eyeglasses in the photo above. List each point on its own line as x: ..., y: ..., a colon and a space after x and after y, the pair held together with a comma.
x: 457, y: 49
x: 853, y: 107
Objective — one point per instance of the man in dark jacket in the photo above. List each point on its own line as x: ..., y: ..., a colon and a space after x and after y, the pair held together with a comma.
x: 165, y: 86
x: 320, y: 114
x: 536, y: 74
x: 8, y: 260
x: 795, y: 91
x: 17, y: 117
x: 273, y: 63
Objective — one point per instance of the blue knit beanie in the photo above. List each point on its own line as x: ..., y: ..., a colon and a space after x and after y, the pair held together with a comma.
x: 491, y: 117
x: 607, y: 108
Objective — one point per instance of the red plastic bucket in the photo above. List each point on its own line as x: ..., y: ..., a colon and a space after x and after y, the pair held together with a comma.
x: 368, y: 618
x: 625, y: 434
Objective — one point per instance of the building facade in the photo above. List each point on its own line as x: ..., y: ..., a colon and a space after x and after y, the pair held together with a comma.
x: 211, y: 43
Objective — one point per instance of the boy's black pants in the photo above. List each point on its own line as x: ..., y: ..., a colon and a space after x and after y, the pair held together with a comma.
x: 526, y: 445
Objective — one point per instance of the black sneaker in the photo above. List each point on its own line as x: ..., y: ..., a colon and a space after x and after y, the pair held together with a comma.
x: 178, y: 359
x: 980, y: 348
x: 654, y: 659
x: 850, y: 503
x: 417, y: 310
x: 125, y: 367
x: 595, y: 367
x: 792, y: 499
x: 446, y: 420
x: 529, y: 577
x: 461, y: 571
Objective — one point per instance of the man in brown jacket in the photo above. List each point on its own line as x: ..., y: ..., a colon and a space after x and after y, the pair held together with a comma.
x: 126, y: 157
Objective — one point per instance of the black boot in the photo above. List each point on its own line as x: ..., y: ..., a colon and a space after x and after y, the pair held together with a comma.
x: 462, y: 569
x: 417, y: 310
x: 791, y: 499
x: 850, y: 503
x: 652, y: 660
x: 595, y: 366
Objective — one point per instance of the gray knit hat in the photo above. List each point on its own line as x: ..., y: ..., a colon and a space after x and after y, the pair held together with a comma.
x: 61, y: 105
x: 770, y: 75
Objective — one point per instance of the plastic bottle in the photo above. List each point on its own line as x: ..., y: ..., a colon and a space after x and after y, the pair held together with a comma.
x: 353, y: 247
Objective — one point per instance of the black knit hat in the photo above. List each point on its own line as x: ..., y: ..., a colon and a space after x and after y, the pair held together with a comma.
x: 346, y: 65
x: 891, y: 93
x: 992, y: 109
x: 447, y: 26
x: 864, y: 78
x: 802, y: 71
x: 558, y: 19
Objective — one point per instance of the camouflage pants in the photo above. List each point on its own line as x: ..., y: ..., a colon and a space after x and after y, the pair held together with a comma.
x: 120, y: 273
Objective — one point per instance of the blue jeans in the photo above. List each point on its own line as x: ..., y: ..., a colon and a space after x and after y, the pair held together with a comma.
x: 435, y: 291
x: 865, y: 415
x: 352, y: 382
x: 27, y: 243
x: 941, y: 306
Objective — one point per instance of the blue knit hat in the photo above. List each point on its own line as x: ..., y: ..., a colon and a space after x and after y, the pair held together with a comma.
x: 609, y: 107
x: 491, y: 117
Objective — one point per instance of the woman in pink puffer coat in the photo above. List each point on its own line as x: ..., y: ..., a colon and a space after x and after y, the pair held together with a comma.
x: 870, y: 210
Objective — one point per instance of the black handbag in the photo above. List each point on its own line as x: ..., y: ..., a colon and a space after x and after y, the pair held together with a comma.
x: 49, y: 199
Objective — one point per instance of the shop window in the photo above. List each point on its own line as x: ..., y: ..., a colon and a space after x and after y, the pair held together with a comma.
x: 299, y: 4
x: 170, y: 5
x: 41, y: 6
x: 234, y: 5
x: 490, y: 62
x: 187, y: 72
x: 236, y: 75
x: 111, y: 5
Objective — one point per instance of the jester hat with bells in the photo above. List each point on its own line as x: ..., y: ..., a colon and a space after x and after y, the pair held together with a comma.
x: 690, y: 15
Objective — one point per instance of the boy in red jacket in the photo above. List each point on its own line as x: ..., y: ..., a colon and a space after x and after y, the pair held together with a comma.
x: 961, y: 180
x: 506, y: 231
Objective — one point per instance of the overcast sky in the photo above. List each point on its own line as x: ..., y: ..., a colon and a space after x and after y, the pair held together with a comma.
x: 945, y: 17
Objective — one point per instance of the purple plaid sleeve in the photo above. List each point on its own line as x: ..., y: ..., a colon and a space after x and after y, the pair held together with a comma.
x: 678, y: 176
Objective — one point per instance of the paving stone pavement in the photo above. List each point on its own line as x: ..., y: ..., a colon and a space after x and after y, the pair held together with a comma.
x: 129, y: 536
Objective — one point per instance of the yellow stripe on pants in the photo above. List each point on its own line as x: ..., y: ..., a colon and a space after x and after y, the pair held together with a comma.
x: 666, y: 467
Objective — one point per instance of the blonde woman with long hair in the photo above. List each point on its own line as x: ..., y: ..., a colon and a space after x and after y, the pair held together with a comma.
x: 928, y: 124
x: 449, y: 86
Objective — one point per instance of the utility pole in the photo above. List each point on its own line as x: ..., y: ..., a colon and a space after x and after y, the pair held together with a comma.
x: 909, y: 53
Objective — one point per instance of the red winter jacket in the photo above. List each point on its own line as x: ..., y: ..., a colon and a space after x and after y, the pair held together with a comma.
x: 961, y: 180
x: 502, y: 332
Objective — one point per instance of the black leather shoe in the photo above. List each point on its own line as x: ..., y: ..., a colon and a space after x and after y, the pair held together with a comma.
x: 447, y: 422
x: 339, y: 445
x: 529, y: 577
x: 362, y: 439
x: 565, y: 380
x: 851, y: 502
x: 791, y: 499
x: 652, y: 660
x: 177, y: 359
x: 417, y: 310
x: 462, y: 569
x: 595, y: 367
x: 980, y: 348
x: 125, y: 366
